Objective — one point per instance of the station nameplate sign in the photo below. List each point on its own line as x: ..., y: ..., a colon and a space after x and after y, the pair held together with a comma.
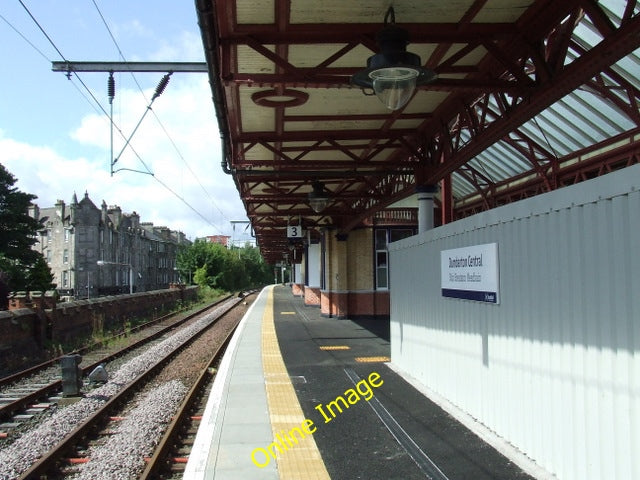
x: 471, y: 273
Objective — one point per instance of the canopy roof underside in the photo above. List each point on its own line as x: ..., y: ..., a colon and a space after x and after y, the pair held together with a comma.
x: 531, y: 95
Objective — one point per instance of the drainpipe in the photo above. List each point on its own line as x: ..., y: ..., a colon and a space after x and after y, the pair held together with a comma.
x: 206, y: 20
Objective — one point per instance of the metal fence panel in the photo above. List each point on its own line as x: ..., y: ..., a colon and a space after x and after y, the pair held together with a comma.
x: 555, y: 367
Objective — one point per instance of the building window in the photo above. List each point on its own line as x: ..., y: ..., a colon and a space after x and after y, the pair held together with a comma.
x: 65, y: 279
x: 48, y: 235
x: 381, y: 256
x: 49, y: 256
x: 67, y: 234
x: 65, y: 256
x: 383, y: 237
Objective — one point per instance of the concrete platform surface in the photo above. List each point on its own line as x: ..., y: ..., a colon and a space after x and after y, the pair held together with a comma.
x: 300, y: 396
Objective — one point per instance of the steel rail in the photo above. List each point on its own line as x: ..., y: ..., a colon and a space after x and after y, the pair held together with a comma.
x: 170, y: 438
x: 49, y: 462
x: 9, y: 379
x: 10, y: 408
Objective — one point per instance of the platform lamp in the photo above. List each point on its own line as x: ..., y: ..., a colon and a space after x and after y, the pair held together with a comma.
x: 394, y: 73
x: 318, y: 198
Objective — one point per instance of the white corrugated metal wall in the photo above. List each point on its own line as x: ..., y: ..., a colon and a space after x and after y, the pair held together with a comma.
x: 555, y: 367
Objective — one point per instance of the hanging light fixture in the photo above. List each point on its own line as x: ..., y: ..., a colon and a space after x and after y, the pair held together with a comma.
x: 318, y: 198
x: 394, y: 73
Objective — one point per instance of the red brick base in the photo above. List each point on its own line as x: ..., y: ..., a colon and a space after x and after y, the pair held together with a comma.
x: 369, y: 304
x: 334, y: 304
x: 297, y: 289
x: 311, y: 296
x: 355, y: 305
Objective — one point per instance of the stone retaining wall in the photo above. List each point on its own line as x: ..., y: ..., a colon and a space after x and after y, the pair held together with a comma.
x: 35, y: 322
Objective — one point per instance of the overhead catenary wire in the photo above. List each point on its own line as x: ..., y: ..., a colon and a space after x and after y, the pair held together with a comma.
x: 179, y: 197
x: 25, y: 38
x: 166, y: 132
x: 43, y: 55
x: 52, y: 43
x: 42, y: 30
x: 99, y: 104
x: 159, y: 89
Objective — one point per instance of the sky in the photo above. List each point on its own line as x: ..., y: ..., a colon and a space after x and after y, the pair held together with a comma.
x: 55, y: 138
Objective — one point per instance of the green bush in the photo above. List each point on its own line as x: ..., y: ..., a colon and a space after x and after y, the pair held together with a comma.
x: 213, y: 266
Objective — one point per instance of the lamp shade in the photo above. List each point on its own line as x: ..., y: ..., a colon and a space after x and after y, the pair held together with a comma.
x: 394, y: 86
x: 317, y: 198
x: 394, y: 73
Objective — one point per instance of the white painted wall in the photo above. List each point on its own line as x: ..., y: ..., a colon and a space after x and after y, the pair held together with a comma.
x: 297, y: 273
x: 555, y: 367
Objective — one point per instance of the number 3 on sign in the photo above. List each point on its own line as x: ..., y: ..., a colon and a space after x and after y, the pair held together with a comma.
x: 294, y: 231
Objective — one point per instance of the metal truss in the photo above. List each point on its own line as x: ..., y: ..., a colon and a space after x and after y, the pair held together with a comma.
x: 528, y: 67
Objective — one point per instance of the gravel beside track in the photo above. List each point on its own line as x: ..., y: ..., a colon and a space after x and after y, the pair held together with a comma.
x: 52, y: 373
x: 122, y: 455
x: 189, y: 363
x: 22, y: 453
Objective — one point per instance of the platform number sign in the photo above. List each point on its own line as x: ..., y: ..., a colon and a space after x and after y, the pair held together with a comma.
x: 294, y: 231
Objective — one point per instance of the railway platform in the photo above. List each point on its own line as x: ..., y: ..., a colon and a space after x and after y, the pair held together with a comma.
x: 300, y: 396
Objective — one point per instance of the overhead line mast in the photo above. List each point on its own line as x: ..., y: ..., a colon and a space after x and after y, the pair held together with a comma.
x: 169, y: 68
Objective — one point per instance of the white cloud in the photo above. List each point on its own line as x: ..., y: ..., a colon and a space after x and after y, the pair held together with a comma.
x: 190, y: 122
x: 187, y: 47
x: 132, y: 28
x: 78, y: 161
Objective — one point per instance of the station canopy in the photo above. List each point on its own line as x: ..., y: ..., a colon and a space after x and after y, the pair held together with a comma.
x: 512, y: 99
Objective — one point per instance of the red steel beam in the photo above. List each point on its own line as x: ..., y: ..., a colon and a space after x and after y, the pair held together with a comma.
x: 619, y: 44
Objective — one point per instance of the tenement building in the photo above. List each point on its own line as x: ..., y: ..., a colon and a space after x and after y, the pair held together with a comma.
x: 102, y: 251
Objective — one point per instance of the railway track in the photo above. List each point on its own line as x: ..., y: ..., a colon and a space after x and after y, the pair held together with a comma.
x: 28, y: 393
x: 110, y: 405
x: 170, y: 457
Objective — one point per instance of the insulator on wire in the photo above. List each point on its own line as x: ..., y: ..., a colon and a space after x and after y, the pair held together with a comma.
x: 162, y: 84
x: 111, y: 87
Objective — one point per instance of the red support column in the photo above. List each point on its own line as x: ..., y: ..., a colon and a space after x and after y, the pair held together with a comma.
x: 446, y: 193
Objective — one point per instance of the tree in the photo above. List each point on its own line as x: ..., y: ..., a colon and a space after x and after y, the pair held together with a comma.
x: 215, y: 266
x: 40, y: 278
x: 17, y: 233
x: 200, y: 277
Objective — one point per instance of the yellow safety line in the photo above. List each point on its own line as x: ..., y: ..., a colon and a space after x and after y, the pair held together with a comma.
x: 302, y: 461
x: 372, y: 359
x: 335, y: 347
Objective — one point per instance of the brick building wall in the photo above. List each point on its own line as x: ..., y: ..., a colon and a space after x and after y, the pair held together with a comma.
x: 355, y: 269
